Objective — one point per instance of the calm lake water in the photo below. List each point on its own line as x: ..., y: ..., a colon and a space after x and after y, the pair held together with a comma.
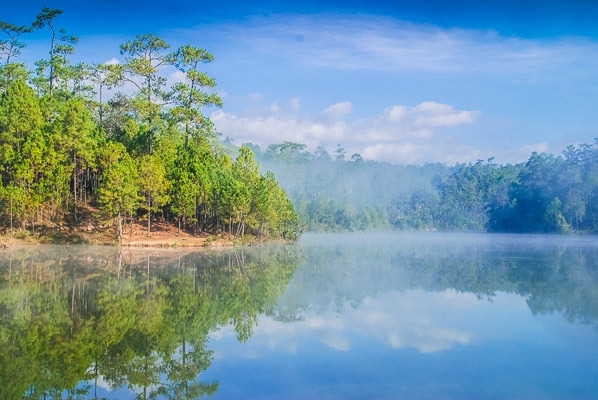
x: 376, y: 316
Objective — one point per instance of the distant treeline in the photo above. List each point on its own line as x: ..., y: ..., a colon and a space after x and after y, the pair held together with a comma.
x: 546, y: 194
x: 65, y: 149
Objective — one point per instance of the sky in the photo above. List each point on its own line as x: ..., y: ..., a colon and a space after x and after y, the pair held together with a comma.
x: 405, y: 82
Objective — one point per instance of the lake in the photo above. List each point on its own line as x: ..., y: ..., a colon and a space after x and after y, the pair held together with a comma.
x: 335, y: 316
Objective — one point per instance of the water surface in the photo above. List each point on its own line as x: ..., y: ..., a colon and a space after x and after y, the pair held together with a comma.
x: 377, y: 315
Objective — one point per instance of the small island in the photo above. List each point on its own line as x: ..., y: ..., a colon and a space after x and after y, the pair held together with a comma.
x: 112, y: 153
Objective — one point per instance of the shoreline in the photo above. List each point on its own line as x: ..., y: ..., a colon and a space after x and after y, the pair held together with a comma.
x: 163, y: 237
x: 207, y: 242
x: 135, y: 235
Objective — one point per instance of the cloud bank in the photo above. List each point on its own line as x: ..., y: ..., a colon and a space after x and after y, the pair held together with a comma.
x: 399, y: 134
x: 426, y: 322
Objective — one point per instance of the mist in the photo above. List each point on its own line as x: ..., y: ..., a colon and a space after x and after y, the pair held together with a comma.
x: 339, y: 193
x: 343, y: 269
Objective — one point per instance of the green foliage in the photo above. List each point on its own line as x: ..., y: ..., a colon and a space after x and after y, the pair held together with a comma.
x: 153, y: 186
x: 552, y: 194
x: 190, y: 97
x: 118, y: 193
x: 336, y: 194
x: 67, y: 320
x: 20, y: 114
x: 10, y: 48
x: 152, y: 154
x: 184, y: 191
x: 246, y: 175
x: 144, y: 58
x: 547, y: 194
x: 53, y: 75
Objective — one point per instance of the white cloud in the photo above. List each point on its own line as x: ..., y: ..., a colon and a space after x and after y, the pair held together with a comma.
x: 541, y: 88
x: 400, y: 134
x: 277, y: 128
x: 399, y: 320
x: 274, y: 108
x: 432, y: 114
x: 112, y: 61
x: 255, y: 96
x: 407, y: 320
x: 407, y: 153
x: 429, y: 322
x: 176, y: 76
x: 387, y: 44
x: 337, y: 111
x: 337, y: 343
x: 295, y: 105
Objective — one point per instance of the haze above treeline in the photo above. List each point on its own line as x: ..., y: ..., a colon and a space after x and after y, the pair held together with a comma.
x: 65, y: 147
x: 333, y: 192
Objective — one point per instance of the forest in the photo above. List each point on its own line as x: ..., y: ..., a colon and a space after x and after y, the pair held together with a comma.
x: 67, y: 148
x: 545, y: 194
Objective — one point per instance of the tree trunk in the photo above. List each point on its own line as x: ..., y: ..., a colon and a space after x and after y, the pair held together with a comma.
x: 75, y: 187
x: 120, y: 230
x: 150, y: 137
x: 101, y: 107
x: 196, y: 223
x: 186, y: 136
x: 149, y: 216
x: 11, y: 227
x: 131, y: 223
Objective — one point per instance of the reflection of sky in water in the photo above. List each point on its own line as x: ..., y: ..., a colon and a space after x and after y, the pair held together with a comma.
x: 411, y: 344
x: 422, y: 316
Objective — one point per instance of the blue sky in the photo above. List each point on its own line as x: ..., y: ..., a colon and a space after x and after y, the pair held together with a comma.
x: 404, y: 82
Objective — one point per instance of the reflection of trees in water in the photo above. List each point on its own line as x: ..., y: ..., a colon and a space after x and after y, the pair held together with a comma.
x: 72, y: 316
x: 553, y: 274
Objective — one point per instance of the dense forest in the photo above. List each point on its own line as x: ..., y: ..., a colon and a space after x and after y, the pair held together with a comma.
x: 66, y: 147
x: 545, y: 194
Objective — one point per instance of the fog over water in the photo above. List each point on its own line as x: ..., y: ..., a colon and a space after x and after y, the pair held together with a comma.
x: 350, y: 265
x: 454, y: 315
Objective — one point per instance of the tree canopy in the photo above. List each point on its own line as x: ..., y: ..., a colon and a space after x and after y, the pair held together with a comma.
x: 65, y: 145
x: 545, y: 194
